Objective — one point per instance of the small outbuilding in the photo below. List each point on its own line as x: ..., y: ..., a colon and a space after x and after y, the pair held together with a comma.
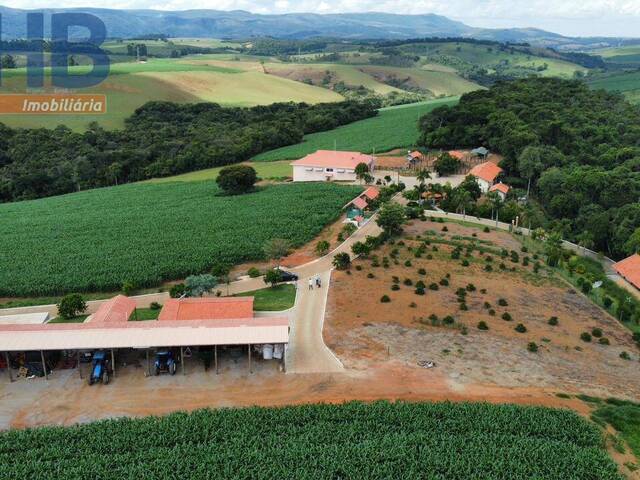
x: 629, y: 269
x: 502, y: 189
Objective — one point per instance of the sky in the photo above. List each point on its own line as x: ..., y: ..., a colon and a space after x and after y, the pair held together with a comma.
x: 568, y: 17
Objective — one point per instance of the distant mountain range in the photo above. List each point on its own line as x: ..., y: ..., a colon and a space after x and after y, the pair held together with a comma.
x: 241, y: 25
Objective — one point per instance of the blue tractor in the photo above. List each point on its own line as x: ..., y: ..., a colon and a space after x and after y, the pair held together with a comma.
x: 100, y: 369
x: 165, y: 363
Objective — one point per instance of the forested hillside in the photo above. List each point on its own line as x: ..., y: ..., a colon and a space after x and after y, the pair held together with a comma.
x: 160, y: 139
x: 581, y: 151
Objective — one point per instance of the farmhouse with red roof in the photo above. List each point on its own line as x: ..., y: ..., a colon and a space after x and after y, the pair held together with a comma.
x: 330, y: 166
x: 629, y: 269
x: 486, y: 174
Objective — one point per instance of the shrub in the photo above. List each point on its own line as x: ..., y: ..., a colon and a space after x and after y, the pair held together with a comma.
x: 553, y: 321
x: 322, y: 248
x: 585, y: 336
x: 395, y: 279
x: 445, y: 229
x: 625, y: 356
x: 488, y: 268
x: 507, y: 316
x: 408, y: 282
x: 422, y: 271
x: 407, y: 263
x: 502, y: 302
x: 358, y: 268
x: 385, y: 299
x: 342, y: 261
x: 532, y: 347
x: 487, y: 305
x: 488, y: 259
x: 607, y: 302
x: 420, y: 284
x: 471, y: 287
x: 433, y: 286
x: 603, y: 341
x: 520, y: 328
x: 483, y: 291
x: 177, y: 290
x: 502, y: 266
x: 71, y: 306
x: 395, y: 287
x: 448, y: 320
x: 253, y: 272
x: 596, y: 332
x: 413, y: 305
x: 419, y: 291
x: 444, y: 282
x: 586, y: 288
x: 465, y: 263
x: 486, y: 229
x: 370, y: 275
x: 155, y: 306
x: 463, y: 306
x: 429, y: 256
x: 237, y: 179
x: 128, y: 287
x: 492, y: 312
x: 433, y: 317
x: 482, y: 325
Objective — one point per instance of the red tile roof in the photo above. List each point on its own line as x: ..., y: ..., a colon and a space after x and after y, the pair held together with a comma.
x: 415, y: 154
x: 487, y: 171
x: 359, y: 203
x: 629, y: 268
x: 500, y: 187
x: 116, y: 310
x: 333, y: 159
x: 371, y: 193
x: 207, y: 308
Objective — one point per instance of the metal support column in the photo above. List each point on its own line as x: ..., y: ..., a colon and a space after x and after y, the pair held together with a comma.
x: 182, y: 359
x: 113, y: 363
x: 44, y: 365
x: 250, y: 370
x: 215, y: 356
x: 78, y: 364
x: 148, y: 364
x: 6, y: 359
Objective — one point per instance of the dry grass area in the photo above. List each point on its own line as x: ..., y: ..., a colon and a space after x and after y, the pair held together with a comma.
x: 366, y: 333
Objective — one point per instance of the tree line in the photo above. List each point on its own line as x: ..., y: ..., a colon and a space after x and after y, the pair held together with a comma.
x: 574, y: 150
x: 159, y: 139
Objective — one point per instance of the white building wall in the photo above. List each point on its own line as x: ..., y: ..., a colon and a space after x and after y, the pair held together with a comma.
x: 311, y: 174
x: 484, y: 185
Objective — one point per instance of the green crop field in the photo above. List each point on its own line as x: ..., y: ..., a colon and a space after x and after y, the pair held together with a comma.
x: 394, y: 127
x: 350, y: 441
x: 146, y: 233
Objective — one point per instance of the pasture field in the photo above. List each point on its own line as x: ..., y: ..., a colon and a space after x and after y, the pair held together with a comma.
x: 394, y: 127
x: 627, y: 83
x: 147, y: 233
x: 265, y: 170
x: 353, y: 440
x: 132, y: 84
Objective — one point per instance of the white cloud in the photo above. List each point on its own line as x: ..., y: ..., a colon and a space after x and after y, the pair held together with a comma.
x: 585, y: 17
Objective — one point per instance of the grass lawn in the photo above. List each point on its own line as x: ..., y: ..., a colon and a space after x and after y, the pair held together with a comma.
x: 265, y: 170
x: 78, y: 319
x: 625, y: 418
x: 394, y: 127
x: 281, y: 297
x: 143, y: 314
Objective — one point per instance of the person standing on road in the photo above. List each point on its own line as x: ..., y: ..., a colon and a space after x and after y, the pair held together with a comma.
x: 318, y: 281
x: 311, y: 284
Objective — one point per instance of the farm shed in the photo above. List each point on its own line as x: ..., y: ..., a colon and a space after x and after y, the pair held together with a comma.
x: 192, y: 322
x: 330, y: 166
x: 501, y: 189
x: 629, y: 269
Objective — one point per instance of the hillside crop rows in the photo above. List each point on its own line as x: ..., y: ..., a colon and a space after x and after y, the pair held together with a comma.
x: 147, y: 233
x: 356, y: 441
x: 394, y: 127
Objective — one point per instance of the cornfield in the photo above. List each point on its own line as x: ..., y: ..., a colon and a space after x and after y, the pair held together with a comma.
x: 147, y: 233
x: 351, y: 441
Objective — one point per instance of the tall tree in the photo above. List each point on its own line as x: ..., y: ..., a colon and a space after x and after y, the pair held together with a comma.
x: 530, y: 164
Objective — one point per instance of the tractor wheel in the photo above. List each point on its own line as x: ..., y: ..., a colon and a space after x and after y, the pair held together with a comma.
x: 105, y: 378
x: 173, y: 369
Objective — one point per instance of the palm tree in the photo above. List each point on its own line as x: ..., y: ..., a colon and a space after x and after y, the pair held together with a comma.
x: 462, y: 200
x: 495, y: 201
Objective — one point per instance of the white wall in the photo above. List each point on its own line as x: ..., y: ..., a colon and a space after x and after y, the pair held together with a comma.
x: 484, y: 185
x: 309, y: 174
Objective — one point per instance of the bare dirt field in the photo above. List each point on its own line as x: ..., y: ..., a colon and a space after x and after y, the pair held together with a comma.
x: 366, y: 333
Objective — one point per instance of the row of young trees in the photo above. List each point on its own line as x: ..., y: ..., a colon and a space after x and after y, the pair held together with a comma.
x: 159, y: 139
x: 575, y: 151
